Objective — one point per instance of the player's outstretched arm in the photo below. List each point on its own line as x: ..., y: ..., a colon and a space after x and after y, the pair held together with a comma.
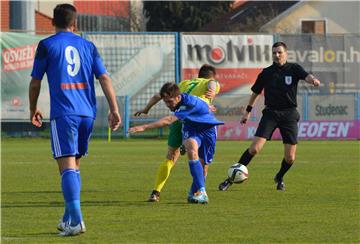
x: 154, y: 100
x: 157, y: 124
x: 114, y: 117
x: 34, y: 91
x: 311, y: 79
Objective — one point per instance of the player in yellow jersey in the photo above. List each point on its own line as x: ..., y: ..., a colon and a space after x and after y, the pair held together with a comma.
x: 205, y: 87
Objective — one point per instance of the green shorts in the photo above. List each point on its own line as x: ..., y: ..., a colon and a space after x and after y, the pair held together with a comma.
x: 175, y: 136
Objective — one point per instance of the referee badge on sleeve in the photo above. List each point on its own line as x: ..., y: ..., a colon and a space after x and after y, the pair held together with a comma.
x: 288, y: 80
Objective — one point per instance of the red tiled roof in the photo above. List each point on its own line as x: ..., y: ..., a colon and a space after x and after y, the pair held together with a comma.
x: 246, y: 13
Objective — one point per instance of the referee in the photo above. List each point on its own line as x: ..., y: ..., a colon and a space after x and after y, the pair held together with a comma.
x: 279, y: 82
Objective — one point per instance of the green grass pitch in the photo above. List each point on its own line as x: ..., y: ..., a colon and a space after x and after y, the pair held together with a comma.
x: 321, y: 202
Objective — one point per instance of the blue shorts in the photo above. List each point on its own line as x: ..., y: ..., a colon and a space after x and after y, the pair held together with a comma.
x: 70, y: 135
x: 205, y: 138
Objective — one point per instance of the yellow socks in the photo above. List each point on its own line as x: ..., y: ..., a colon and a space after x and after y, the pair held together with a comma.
x: 163, y: 173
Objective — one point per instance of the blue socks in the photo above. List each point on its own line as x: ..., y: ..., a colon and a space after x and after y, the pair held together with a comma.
x: 194, y: 188
x: 71, y: 183
x: 78, y: 176
x: 66, y: 216
x: 197, y: 173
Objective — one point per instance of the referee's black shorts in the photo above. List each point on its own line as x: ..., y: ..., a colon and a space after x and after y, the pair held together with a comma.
x: 285, y: 119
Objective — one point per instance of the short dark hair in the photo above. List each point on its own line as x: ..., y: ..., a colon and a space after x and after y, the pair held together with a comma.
x: 64, y: 15
x: 170, y: 89
x: 207, y: 71
x: 280, y: 44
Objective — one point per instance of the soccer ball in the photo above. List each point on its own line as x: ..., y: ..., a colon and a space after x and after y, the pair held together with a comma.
x: 238, y: 173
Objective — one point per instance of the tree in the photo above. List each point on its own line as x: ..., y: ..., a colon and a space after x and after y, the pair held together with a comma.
x: 183, y: 15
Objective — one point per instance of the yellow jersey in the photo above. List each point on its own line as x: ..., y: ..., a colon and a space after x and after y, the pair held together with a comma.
x: 198, y: 87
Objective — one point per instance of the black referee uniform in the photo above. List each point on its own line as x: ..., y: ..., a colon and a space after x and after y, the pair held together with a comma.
x: 279, y: 82
x: 280, y: 89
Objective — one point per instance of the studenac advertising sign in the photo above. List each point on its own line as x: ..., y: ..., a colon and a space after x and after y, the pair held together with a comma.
x: 334, y: 107
x: 237, y: 58
x: 17, y: 57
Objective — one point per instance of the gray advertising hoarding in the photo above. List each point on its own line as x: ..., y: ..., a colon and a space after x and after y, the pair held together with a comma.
x: 334, y: 107
x: 334, y: 59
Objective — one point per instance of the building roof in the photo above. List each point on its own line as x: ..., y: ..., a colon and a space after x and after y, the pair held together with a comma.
x: 283, y: 14
x: 103, y: 8
x: 248, y: 16
x: 43, y: 24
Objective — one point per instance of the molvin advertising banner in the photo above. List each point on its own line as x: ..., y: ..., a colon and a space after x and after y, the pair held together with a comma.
x: 237, y: 58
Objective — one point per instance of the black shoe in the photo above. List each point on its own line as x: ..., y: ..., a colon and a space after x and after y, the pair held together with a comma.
x: 182, y: 150
x: 154, y: 196
x: 280, y: 185
x: 223, y: 186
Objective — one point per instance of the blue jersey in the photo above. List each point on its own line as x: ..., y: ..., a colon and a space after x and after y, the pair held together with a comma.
x: 193, y: 111
x: 70, y: 63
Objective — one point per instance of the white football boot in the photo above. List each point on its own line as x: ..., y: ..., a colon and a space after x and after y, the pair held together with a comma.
x: 73, y: 230
x: 61, y: 225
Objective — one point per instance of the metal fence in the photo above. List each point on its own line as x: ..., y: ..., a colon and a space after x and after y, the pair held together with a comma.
x: 139, y: 63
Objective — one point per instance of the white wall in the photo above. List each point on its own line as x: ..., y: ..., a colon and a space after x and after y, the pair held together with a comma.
x: 47, y: 6
x: 341, y: 17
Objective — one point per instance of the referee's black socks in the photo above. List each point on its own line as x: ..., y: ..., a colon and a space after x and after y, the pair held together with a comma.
x: 285, y: 166
x: 245, y: 157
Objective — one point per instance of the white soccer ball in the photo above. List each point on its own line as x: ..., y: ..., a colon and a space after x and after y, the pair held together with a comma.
x: 238, y: 173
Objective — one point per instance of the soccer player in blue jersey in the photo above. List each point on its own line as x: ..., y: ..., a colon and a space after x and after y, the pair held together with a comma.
x: 199, y: 133
x: 70, y: 63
